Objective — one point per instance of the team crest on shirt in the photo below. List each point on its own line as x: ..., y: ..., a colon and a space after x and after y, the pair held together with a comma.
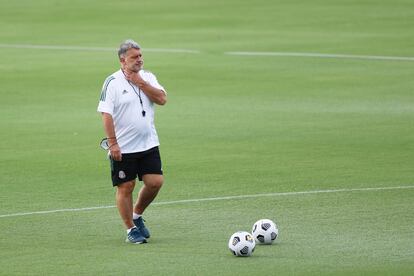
x: 121, y: 174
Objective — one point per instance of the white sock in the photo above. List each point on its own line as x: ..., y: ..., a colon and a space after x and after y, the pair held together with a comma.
x: 129, y: 230
x: 135, y: 216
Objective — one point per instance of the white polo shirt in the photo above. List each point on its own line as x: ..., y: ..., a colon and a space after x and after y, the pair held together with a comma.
x: 120, y: 98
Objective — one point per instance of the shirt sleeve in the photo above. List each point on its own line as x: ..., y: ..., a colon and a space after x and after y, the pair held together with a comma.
x: 152, y: 79
x: 107, y: 99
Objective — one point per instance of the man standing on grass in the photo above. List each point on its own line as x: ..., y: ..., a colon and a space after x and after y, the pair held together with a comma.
x: 127, y: 108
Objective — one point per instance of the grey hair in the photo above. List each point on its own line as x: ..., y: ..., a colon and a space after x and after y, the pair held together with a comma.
x: 126, y: 45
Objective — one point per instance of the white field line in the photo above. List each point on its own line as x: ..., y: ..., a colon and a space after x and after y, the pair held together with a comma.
x: 192, y: 51
x: 217, y: 199
x: 94, y: 49
x: 319, y: 55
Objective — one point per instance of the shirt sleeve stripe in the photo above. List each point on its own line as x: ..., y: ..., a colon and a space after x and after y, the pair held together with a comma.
x: 105, y: 87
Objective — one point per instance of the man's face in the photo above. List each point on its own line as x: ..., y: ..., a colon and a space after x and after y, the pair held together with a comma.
x: 133, y: 60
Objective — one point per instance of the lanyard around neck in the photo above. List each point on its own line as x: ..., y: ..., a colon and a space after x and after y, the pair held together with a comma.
x: 139, y: 96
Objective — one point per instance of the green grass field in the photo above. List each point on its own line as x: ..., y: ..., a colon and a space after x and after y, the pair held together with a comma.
x: 324, y: 146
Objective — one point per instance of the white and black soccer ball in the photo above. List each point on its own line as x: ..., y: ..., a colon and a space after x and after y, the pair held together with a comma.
x: 265, y: 231
x: 242, y: 244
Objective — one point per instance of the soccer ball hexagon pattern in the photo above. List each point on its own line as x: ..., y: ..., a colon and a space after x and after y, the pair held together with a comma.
x: 265, y: 231
x: 242, y: 244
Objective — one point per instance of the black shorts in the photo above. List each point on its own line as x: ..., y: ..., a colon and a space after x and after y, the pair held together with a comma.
x: 135, y: 164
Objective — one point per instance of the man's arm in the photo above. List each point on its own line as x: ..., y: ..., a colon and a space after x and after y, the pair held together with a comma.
x: 109, y: 128
x: 156, y: 95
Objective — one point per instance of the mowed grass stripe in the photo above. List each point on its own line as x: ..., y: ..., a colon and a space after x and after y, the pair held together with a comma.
x: 193, y: 51
x: 94, y: 49
x: 217, y: 199
x: 321, y: 55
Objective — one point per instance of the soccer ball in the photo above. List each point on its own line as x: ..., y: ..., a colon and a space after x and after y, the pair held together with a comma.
x: 265, y: 231
x: 242, y: 244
